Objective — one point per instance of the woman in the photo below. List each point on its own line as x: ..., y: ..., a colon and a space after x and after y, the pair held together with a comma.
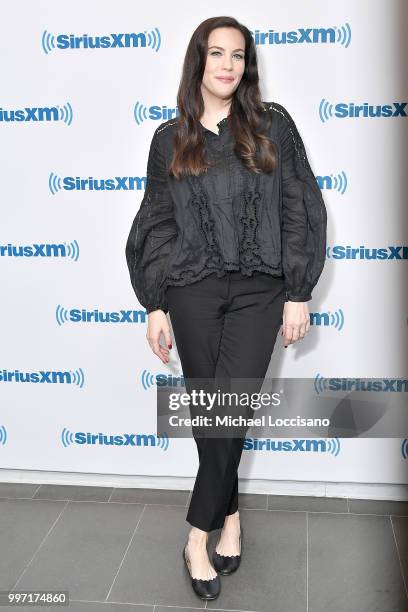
x: 230, y: 240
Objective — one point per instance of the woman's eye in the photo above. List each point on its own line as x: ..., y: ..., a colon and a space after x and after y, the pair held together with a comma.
x: 237, y: 55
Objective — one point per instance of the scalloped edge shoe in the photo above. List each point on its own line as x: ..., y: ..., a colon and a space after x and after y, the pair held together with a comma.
x: 204, y: 589
x: 228, y: 564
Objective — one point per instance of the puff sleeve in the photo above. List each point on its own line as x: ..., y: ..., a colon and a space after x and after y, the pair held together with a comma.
x: 304, y: 215
x: 152, y: 234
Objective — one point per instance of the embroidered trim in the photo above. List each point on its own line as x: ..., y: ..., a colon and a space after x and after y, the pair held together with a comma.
x: 185, y: 277
x: 297, y: 140
x: 165, y: 125
x: 200, y: 200
x: 249, y: 218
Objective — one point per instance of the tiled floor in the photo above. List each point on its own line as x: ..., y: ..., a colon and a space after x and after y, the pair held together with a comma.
x: 119, y: 550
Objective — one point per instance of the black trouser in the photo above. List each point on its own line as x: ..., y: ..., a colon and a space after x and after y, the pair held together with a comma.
x: 223, y: 327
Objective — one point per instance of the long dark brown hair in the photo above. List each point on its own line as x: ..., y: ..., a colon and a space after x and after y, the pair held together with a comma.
x: 248, y: 120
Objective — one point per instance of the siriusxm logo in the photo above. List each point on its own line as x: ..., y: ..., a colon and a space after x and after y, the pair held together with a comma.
x: 64, y: 249
x: 337, y: 182
x: 404, y: 448
x: 69, y: 377
x: 332, y: 445
x: 392, y: 385
x: 44, y: 113
x: 81, y: 315
x: 100, y: 439
x: 117, y: 183
x: 328, y: 319
x: 161, y: 380
x: 3, y: 435
x: 340, y: 251
x: 343, y: 110
x: 152, y: 39
x: 340, y: 35
x: 156, y: 113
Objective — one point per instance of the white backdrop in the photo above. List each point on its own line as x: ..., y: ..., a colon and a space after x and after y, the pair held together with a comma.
x: 103, y: 106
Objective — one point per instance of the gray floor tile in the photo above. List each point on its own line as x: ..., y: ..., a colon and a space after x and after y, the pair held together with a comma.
x: 172, y: 609
x: 151, y: 496
x: 73, y: 492
x: 255, y: 501
x: 153, y: 571
x: 353, y: 565
x: 378, y: 506
x: 23, y: 526
x: 272, y: 574
x: 400, y: 527
x: 84, y: 550
x: 307, y: 503
x: 17, y: 489
x: 86, y: 606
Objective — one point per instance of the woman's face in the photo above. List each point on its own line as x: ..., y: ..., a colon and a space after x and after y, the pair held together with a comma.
x: 225, y: 62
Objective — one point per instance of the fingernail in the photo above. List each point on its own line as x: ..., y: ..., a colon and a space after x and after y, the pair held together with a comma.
x: 170, y: 346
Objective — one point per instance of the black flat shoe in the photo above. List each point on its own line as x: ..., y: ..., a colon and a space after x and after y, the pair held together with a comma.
x: 204, y: 589
x: 228, y: 564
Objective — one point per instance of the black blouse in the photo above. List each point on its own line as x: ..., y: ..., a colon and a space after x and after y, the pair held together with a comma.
x: 228, y: 218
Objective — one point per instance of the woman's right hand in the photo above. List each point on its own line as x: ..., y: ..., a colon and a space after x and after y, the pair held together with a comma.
x: 157, y: 325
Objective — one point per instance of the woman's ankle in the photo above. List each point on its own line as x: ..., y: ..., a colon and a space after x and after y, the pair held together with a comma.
x: 231, y: 519
x: 198, y: 536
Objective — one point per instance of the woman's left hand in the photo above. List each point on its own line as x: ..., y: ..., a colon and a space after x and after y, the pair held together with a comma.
x: 296, y: 321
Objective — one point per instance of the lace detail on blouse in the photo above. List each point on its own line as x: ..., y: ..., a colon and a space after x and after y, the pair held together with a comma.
x: 248, y: 246
x: 296, y: 138
x: 249, y: 258
x: 200, y: 201
x: 249, y: 219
